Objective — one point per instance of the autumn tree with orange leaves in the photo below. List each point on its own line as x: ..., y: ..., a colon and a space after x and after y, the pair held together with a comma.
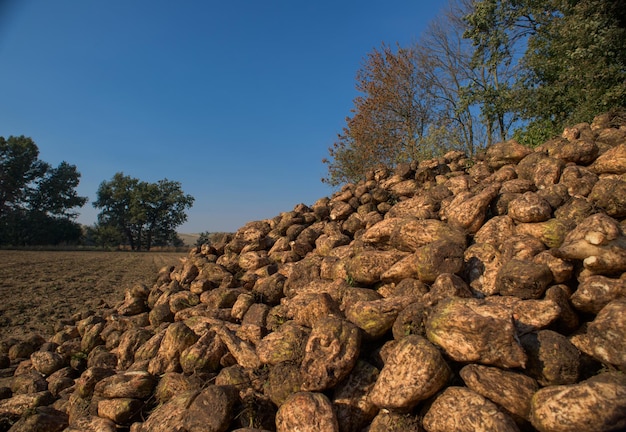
x: 417, y: 103
x: 389, y: 117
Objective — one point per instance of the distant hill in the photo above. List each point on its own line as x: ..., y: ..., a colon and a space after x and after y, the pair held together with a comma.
x: 189, y: 239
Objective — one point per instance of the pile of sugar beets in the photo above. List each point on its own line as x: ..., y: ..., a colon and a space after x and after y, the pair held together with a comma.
x: 450, y: 295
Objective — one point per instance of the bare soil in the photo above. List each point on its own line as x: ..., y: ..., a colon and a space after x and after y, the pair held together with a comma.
x: 40, y: 288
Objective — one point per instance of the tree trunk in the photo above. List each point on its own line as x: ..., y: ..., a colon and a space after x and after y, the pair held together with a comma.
x: 502, y: 127
x: 139, y: 240
x: 131, y: 240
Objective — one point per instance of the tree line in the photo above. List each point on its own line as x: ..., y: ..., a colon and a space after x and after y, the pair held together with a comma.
x: 39, y: 202
x: 482, y: 72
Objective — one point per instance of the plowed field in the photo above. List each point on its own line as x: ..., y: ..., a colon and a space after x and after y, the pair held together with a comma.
x: 37, y: 289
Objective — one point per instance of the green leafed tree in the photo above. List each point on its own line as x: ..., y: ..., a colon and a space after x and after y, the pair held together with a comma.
x: 37, y: 201
x: 104, y: 236
x: 571, y: 54
x: 144, y: 213
x: 56, y: 191
x: 20, y: 168
x: 576, y: 62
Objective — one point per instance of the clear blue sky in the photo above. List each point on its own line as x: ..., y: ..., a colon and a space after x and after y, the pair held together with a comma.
x: 238, y: 100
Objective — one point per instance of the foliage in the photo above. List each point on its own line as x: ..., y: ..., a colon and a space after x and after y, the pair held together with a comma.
x: 536, y: 132
x: 145, y: 214
x: 493, y: 64
x: 27, y: 228
x: 415, y: 103
x: 208, y: 237
x: 203, y: 238
x: 408, y: 96
x: 573, y: 62
x: 104, y: 236
x: 482, y: 70
x: 389, y: 118
x: 453, y: 83
x: 37, y: 201
x: 590, y: 41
